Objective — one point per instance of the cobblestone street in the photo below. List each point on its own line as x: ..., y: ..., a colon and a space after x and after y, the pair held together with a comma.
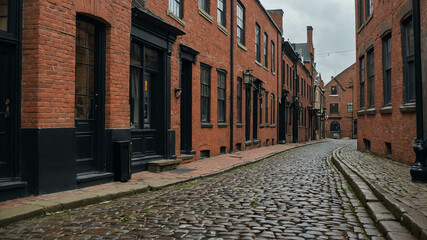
x: 295, y: 195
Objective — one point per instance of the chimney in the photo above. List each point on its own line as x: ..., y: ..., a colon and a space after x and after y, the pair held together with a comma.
x: 310, y: 34
x: 277, y: 15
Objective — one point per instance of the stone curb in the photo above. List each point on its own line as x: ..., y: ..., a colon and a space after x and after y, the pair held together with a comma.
x: 38, y: 208
x: 384, y: 210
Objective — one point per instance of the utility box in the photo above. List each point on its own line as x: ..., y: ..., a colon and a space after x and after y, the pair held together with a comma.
x: 122, y: 160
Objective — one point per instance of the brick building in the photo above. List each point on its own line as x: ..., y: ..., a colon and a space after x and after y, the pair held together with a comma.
x: 386, y: 77
x: 340, y: 98
x: 176, y: 79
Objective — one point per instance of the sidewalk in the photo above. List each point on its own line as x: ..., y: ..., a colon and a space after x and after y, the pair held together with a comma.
x: 32, y: 206
x: 390, y: 184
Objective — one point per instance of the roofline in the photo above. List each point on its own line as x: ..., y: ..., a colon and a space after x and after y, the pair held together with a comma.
x: 345, y: 70
x: 268, y: 15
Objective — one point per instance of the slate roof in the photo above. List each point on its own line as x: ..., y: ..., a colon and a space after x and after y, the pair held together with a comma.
x: 302, y: 48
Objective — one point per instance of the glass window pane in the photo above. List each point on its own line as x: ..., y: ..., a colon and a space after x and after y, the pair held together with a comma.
x: 147, y: 100
x: 151, y: 58
x: 3, y: 14
x: 84, y: 107
x: 135, y: 54
x: 85, y: 55
x: 135, y: 98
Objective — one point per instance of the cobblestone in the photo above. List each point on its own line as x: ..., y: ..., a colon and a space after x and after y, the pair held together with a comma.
x: 295, y: 195
x: 392, y: 176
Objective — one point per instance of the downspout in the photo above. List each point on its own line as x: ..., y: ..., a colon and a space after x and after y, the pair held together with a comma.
x: 296, y: 103
x: 419, y: 169
x: 231, y: 75
x: 278, y: 66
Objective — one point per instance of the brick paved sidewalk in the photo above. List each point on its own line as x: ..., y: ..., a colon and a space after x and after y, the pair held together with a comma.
x: 391, y: 182
x: 23, y: 208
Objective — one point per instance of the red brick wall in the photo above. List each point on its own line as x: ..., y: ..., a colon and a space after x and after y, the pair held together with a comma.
x: 344, y: 118
x: 48, y: 69
x: 214, y: 47
x: 398, y: 128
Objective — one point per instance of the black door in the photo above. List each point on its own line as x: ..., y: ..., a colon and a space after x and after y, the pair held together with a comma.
x: 147, y: 105
x: 9, y: 87
x: 248, y: 113
x: 255, y: 115
x: 5, y: 111
x: 89, y: 97
x: 186, y: 106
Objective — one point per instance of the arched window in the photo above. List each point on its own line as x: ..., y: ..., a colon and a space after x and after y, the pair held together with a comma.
x: 335, y: 127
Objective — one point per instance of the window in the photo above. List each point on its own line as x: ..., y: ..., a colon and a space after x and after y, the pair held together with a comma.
x: 362, y: 81
x: 408, y: 60
x: 273, y: 108
x: 350, y: 107
x: 221, y: 96
x: 334, y: 90
x: 333, y: 108
x: 369, y: 4
x: 3, y: 15
x: 266, y: 107
x: 387, y: 69
x: 257, y: 43
x: 360, y: 12
x: 265, y: 50
x: 240, y: 23
x: 239, y: 100
x: 144, y: 65
x: 272, y: 58
x: 221, y: 12
x: 287, y: 74
x: 204, y: 5
x: 205, y: 79
x: 371, y: 78
x: 175, y: 6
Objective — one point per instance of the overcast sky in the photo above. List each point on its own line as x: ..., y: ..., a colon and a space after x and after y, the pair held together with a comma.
x: 333, y: 30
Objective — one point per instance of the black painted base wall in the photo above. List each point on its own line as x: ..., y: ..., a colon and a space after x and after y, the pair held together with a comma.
x: 48, y: 157
x: 111, y: 136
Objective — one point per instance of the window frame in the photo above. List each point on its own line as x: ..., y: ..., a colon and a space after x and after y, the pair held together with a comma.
x: 178, y: 5
x: 336, y: 90
x: 362, y: 81
x: 222, y: 113
x: 408, y: 62
x: 266, y: 107
x: 240, y: 29
x: 360, y: 13
x: 205, y: 5
x: 257, y: 42
x: 386, y: 61
x: 369, y: 8
x: 371, y: 77
x: 221, y: 13
x: 349, y: 106
x: 273, y: 65
x: 207, y: 83
x: 333, y: 106
x: 265, y: 50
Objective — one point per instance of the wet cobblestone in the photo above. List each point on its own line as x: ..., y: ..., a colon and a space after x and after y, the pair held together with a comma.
x: 295, y: 195
x: 392, y: 176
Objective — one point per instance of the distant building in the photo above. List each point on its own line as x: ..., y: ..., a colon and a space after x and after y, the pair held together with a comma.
x: 385, y: 69
x: 340, y: 98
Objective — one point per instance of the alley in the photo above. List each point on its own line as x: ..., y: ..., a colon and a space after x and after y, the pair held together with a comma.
x: 295, y: 195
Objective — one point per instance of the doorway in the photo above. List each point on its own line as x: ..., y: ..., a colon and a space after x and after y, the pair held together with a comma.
x: 186, y: 106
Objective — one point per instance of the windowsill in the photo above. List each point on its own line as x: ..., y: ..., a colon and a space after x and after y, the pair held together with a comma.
x: 256, y: 140
x: 361, y: 112
x: 408, y: 107
x: 267, y: 125
x: 368, y: 19
x: 206, y: 15
x: 175, y: 17
x: 360, y: 28
x: 242, y: 46
x: 222, y: 29
x: 261, y: 126
x: 335, y: 95
x: 222, y: 125
x: 207, y: 125
x: 239, y: 125
x: 248, y: 142
x: 272, y: 72
x: 258, y: 63
x: 266, y: 69
x: 371, y: 111
x: 386, y: 110
x: 273, y: 126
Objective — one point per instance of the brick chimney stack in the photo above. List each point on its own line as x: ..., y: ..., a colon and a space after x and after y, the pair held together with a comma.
x: 277, y: 15
x: 310, y: 34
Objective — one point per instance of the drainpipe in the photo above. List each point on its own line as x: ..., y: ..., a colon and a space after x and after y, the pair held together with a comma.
x: 278, y: 66
x: 296, y: 104
x: 419, y: 169
x: 231, y: 76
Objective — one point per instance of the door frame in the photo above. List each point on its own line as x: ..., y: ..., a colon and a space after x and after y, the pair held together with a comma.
x: 13, y: 39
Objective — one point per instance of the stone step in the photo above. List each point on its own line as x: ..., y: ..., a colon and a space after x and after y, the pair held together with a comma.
x: 187, y: 156
x: 163, y: 165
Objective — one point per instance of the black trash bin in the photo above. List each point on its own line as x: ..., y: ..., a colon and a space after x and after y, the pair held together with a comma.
x: 122, y: 160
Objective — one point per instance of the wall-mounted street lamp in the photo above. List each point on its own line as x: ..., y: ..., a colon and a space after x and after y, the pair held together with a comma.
x: 178, y: 92
x: 248, y: 78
